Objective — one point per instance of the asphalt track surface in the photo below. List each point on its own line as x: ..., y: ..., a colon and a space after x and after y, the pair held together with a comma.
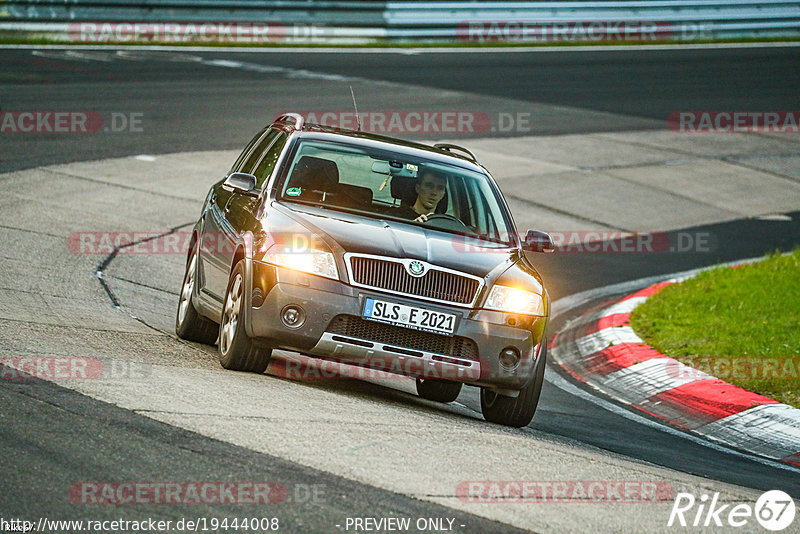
x: 189, y: 106
x: 192, y: 106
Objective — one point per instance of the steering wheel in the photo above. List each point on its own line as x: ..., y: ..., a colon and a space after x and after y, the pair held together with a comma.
x: 447, y: 221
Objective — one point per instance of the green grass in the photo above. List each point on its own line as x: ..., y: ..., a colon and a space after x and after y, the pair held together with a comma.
x: 741, y: 325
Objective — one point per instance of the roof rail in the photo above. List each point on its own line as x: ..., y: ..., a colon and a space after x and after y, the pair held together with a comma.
x: 284, y: 118
x: 451, y: 148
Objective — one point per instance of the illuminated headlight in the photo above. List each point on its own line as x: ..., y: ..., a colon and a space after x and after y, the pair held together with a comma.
x: 308, y: 261
x: 512, y: 300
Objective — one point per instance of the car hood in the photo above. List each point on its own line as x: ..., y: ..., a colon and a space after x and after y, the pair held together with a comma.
x: 346, y: 232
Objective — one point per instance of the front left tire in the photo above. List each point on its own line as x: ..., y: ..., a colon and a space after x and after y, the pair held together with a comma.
x: 515, y: 411
x: 237, y: 351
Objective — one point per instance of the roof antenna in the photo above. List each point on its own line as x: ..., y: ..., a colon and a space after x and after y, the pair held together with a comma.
x: 358, y: 121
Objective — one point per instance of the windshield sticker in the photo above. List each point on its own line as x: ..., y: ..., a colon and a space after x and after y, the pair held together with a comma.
x: 293, y: 192
x: 410, y: 167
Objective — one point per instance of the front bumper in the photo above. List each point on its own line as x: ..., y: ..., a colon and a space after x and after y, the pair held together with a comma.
x: 327, y: 302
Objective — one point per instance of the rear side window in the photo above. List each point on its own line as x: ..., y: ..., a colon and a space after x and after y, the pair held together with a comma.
x: 240, y: 160
x: 269, y: 159
x: 248, y: 163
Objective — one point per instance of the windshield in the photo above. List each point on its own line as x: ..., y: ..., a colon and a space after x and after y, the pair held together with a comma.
x: 395, y: 186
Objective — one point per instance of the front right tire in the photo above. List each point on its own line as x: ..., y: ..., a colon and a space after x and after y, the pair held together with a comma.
x: 237, y: 351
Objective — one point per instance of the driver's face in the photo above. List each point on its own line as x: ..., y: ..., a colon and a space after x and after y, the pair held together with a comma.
x: 430, y: 191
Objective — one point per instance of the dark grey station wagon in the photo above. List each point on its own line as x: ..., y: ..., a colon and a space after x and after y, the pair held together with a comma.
x: 375, y: 252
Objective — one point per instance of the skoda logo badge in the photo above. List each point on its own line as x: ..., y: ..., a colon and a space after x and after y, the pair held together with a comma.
x: 416, y: 268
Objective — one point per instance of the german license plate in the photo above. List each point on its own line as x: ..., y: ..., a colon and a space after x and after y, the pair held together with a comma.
x: 409, y: 316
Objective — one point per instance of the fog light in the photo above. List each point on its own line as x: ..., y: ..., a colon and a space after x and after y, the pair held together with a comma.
x: 293, y: 316
x: 509, y: 358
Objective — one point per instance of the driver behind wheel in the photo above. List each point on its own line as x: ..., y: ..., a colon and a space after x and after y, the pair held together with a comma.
x: 430, y: 189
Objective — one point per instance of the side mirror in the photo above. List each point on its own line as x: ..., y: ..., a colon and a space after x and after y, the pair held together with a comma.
x: 241, y: 182
x: 537, y: 241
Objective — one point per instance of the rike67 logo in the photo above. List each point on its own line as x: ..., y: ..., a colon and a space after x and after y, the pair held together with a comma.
x: 774, y: 510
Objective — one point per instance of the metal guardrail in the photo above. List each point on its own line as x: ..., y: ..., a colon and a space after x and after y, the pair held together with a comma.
x: 676, y: 19
x: 339, y: 13
x: 438, y: 21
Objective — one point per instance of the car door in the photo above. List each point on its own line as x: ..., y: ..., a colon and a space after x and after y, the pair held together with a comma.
x: 218, y: 235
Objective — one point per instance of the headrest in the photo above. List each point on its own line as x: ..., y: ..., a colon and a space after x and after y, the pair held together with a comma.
x: 315, y: 173
x: 355, y: 195
x: 402, y: 188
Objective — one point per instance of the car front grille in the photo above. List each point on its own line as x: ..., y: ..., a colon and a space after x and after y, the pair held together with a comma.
x: 356, y: 327
x: 392, y: 276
